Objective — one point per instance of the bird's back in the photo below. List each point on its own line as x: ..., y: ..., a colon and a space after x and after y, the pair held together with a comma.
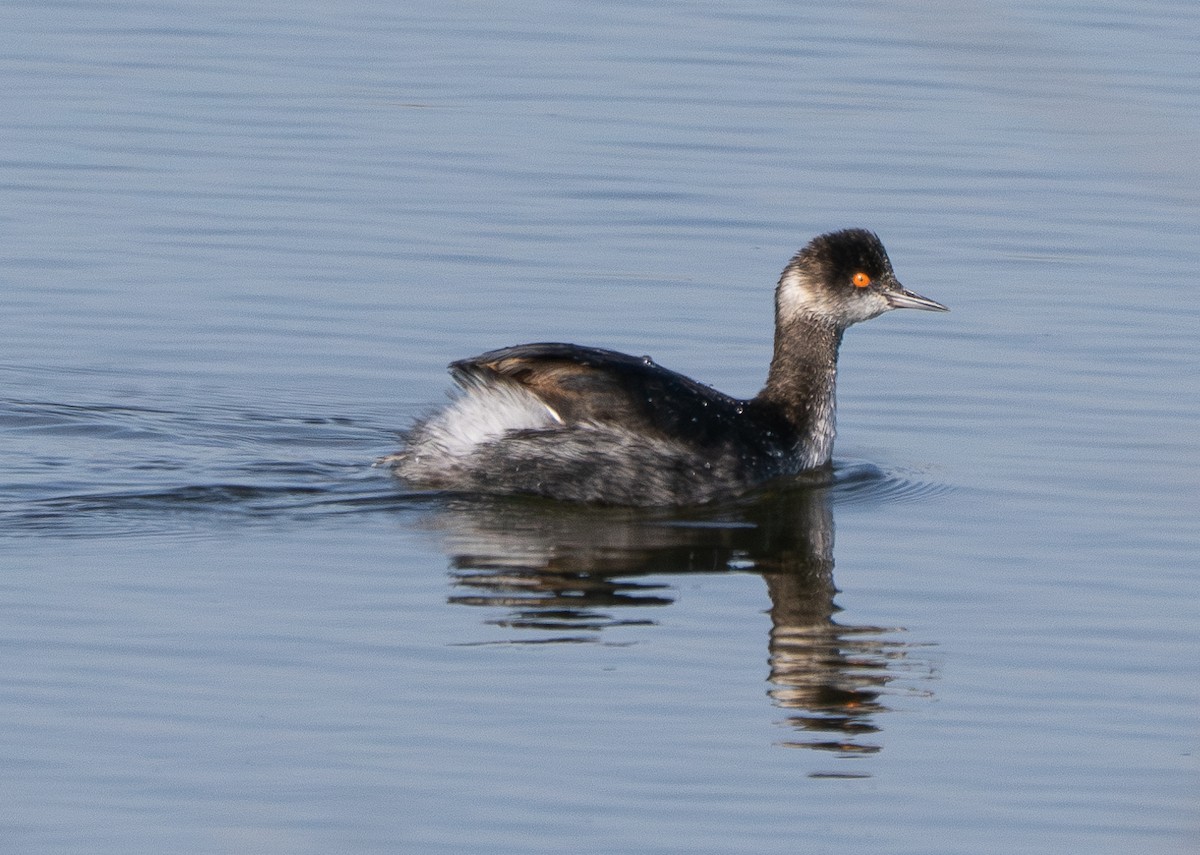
x: 604, y: 387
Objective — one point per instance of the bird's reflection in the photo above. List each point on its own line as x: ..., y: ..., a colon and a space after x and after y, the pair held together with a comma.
x: 572, y: 572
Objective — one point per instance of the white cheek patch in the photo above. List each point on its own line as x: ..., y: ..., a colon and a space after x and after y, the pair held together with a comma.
x: 797, y: 296
x: 484, y: 413
x: 800, y: 296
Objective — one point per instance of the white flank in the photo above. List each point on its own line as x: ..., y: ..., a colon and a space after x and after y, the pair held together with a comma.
x: 484, y: 413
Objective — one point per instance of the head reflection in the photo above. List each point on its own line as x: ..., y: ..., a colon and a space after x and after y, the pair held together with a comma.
x: 572, y: 572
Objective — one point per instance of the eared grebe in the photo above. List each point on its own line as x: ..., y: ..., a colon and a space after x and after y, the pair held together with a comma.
x: 591, y: 425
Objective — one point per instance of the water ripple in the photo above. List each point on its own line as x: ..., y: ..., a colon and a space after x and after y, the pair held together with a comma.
x: 861, y: 483
x: 101, y: 469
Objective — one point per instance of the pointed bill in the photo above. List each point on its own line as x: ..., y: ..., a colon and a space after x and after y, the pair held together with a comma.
x: 902, y: 298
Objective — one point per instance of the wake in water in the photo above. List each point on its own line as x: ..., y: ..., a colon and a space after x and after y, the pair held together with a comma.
x: 104, y: 469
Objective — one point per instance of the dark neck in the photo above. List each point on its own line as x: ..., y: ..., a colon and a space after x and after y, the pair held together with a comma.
x: 800, y: 385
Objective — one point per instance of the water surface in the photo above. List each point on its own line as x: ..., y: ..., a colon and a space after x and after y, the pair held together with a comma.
x: 240, y: 244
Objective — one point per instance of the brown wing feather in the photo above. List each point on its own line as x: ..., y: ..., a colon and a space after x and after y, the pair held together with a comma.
x: 607, y: 387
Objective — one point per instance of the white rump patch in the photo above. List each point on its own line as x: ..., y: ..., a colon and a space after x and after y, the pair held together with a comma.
x: 483, y: 413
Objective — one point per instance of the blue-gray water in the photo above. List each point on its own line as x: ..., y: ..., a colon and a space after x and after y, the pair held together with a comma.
x: 239, y: 242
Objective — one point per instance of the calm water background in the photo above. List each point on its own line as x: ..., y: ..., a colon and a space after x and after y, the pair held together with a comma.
x: 238, y: 243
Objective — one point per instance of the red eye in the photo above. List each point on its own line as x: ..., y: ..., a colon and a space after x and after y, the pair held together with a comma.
x: 860, y: 280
